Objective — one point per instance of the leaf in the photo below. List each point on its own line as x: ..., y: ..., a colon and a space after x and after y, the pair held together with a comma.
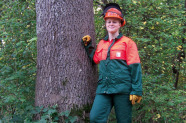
x: 51, y: 111
x: 170, y: 103
x: 33, y: 39
x: 72, y: 119
x: 43, y: 119
x: 45, y: 109
x: 66, y: 113
x: 21, y: 43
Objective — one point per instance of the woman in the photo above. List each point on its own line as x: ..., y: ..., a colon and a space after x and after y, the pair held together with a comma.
x: 120, y: 79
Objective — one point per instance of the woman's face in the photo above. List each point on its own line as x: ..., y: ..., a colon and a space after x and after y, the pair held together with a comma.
x: 113, y: 25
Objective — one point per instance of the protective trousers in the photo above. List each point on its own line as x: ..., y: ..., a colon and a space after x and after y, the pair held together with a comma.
x: 103, y: 104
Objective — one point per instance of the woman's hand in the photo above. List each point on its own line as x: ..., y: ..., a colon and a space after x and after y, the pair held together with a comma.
x: 135, y: 98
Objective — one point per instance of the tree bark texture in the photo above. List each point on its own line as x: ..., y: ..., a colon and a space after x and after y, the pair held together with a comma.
x: 65, y: 75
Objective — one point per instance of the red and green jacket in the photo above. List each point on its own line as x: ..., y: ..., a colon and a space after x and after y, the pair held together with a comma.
x: 119, y: 66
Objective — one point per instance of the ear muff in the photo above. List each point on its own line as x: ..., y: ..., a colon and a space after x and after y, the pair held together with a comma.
x: 123, y: 22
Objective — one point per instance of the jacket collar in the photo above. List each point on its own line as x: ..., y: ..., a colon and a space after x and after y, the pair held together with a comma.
x: 118, y: 37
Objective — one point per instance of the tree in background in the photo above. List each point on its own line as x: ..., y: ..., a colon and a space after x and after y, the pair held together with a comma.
x: 157, y: 26
x: 65, y: 76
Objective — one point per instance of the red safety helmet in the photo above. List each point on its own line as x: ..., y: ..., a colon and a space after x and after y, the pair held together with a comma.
x: 112, y: 10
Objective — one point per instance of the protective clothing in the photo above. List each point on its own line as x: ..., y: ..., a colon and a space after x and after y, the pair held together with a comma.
x: 103, y: 104
x: 86, y: 40
x: 119, y: 66
x: 112, y: 10
x: 135, y: 98
x: 119, y: 74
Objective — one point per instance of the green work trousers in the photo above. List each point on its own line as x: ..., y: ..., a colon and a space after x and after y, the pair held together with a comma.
x: 103, y: 104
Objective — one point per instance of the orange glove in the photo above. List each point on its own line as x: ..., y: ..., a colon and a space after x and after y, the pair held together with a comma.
x: 86, y: 40
x: 135, y: 98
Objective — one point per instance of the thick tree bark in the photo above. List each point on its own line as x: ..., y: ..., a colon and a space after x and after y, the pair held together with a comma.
x: 65, y: 75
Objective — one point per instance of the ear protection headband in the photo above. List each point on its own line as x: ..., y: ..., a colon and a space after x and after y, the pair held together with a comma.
x: 123, y: 23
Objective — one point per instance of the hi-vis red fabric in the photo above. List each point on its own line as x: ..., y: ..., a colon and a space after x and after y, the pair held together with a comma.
x: 123, y: 49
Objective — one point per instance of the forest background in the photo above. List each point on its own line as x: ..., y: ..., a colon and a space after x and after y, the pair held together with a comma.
x: 158, y: 28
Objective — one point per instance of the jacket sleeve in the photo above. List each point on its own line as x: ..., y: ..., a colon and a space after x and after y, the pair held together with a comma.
x: 90, y: 50
x: 133, y: 62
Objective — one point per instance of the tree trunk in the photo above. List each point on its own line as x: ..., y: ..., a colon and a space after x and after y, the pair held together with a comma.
x: 65, y: 75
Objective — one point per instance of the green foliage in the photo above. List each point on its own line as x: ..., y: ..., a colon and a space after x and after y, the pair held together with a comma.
x: 157, y: 26
x: 51, y: 115
x: 46, y: 115
x: 17, y: 58
x: 161, y: 103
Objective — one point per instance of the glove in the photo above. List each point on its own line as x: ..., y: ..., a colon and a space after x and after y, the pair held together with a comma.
x: 86, y: 40
x: 135, y: 98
